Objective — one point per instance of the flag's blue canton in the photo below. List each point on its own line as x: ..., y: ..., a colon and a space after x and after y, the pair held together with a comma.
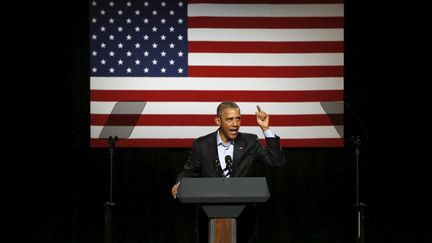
x: 138, y: 38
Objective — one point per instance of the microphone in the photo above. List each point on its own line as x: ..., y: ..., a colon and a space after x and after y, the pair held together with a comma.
x: 112, y: 140
x: 229, y: 163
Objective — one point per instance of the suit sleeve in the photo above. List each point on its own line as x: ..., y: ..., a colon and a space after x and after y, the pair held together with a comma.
x: 273, y: 154
x: 192, y: 167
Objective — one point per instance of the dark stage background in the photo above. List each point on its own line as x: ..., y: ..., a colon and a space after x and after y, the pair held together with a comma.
x: 56, y: 185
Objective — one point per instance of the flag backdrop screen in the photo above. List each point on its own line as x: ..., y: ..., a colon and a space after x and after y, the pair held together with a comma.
x: 160, y: 68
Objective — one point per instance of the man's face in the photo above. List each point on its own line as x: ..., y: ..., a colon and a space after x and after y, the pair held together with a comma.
x: 229, y: 124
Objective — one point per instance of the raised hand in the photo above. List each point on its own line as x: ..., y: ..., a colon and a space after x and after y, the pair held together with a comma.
x: 263, y: 119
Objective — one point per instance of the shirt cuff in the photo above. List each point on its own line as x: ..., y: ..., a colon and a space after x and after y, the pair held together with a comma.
x: 269, y: 133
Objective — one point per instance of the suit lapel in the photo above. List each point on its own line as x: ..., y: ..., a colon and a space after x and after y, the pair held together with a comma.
x: 213, y: 151
x: 239, y: 148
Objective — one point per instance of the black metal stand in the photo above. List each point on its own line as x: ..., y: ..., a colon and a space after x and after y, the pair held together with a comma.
x: 109, y: 205
x: 356, y: 142
x: 359, y: 205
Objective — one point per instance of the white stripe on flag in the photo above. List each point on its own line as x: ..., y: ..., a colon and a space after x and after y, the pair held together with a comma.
x: 209, y: 108
x: 266, y: 10
x: 206, y: 34
x: 260, y: 59
x: 149, y: 83
x: 296, y: 132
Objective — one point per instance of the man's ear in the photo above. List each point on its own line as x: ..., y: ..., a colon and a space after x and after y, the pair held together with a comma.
x: 217, y: 121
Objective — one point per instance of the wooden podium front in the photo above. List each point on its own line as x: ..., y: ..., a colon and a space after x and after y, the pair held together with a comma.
x: 222, y: 230
x: 223, y: 199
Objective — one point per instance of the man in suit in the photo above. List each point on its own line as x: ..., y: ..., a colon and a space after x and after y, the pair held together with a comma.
x: 209, y: 153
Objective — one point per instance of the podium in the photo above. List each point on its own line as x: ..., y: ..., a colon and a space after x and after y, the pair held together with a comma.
x: 223, y: 199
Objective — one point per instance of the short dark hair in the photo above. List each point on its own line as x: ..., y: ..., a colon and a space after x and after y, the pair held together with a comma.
x: 224, y: 105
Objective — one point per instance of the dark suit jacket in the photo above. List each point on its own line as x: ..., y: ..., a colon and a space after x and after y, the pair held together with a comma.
x: 247, y: 150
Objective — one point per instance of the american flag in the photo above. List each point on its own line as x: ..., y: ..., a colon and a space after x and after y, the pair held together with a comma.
x: 160, y: 68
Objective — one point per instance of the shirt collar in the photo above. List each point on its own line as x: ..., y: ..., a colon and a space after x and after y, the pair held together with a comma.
x: 219, y: 140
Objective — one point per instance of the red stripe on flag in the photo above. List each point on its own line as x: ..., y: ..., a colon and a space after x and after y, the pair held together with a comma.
x: 270, y: 72
x: 266, y: 47
x: 208, y: 120
x: 187, y: 143
x: 216, y: 96
x: 267, y: 1
x: 266, y: 22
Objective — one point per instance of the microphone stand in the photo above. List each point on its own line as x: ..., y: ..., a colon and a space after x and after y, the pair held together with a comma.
x: 356, y: 141
x: 359, y: 205
x: 108, y: 205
